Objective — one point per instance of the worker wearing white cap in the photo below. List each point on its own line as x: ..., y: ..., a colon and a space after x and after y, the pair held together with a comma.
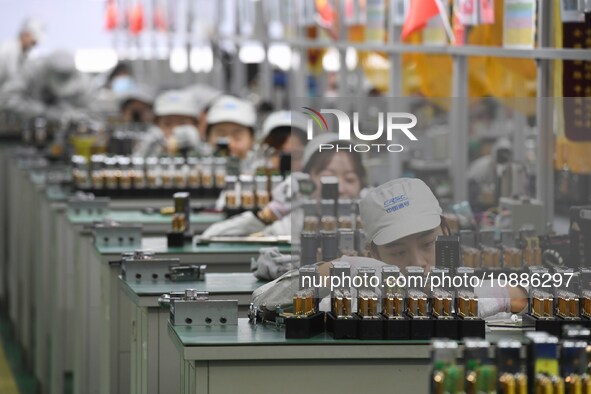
x: 13, y: 53
x: 204, y: 97
x: 136, y: 104
x: 402, y: 220
x: 284, y: 132
x: 175, y: 128
x: 234, y: 120
x: 50, y: 87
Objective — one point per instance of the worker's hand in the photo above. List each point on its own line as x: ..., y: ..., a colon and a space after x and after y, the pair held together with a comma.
x: 244, y: 224
x: 285, y: 195
x: 282, y: 195
x: 493, y: 299
x: 271, y: 264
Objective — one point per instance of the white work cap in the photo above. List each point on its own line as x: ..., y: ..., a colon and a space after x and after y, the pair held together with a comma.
x: 276, y: 119
x: 175, y: 102
x: 34, y: 27
x: 399, y: 208
x: 313, y: 146
x: 137, y: 92
x: 203, y: 95
x: 232, y: 109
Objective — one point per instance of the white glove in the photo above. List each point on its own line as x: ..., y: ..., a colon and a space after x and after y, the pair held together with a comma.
x: 244, y: 224
x: 283, y: 195
x: 271, y: 264
x: 492, y: 299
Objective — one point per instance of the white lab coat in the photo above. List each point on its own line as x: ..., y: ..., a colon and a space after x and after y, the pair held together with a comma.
x: 31, y: 94
x: 11, y: 60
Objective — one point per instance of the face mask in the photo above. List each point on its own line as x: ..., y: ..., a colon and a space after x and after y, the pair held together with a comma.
x: 122, y: 84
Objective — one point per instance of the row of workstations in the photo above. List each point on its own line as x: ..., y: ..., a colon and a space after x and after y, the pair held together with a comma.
x: 84, y: 329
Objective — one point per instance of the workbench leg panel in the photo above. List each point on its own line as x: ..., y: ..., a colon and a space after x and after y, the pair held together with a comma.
x: 326, y: 376
x: 169, y: 366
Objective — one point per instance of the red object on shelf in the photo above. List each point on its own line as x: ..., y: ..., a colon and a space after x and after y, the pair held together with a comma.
x: 111, y: 15
x: 136, y: 18
x: 160, y: 22
x: 419, y: 12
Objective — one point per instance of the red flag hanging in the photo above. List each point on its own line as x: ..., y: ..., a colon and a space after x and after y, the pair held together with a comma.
x: 136, y: 18
x: 419, y: 12
x: 111, y: 17
x: 325, y: 10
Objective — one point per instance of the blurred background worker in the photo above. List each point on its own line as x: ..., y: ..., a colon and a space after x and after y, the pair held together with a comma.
x: 136, y: 105
x: 13, y: 53
x: 232, y: 121
x: 496, y: 175
x: 50, y: 86
x: 120, y: 78
x: 204, y: 97
x: 175, y: 128
x: 284, y: 135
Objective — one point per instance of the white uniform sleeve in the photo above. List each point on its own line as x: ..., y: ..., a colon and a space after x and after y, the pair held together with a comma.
x: 22, y: 93
x: 279, y: 227
x: 220, y: 203
x: 244, y: 224
x: 281, y: 290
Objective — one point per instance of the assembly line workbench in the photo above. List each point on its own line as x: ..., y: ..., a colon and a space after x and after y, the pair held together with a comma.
x: 258, y: 359
x: 25, y: 195
x: 111, y: 310
x: 155, y: 366
x: 78, y: 283
x: 57, y: 238
x: 52, y: 239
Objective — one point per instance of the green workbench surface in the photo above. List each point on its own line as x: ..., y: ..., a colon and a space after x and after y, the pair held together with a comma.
x: 158, y: 245
x: 56, y: 194
x: 227, y: 284
x: 136, y: 216
x: 247, y: 334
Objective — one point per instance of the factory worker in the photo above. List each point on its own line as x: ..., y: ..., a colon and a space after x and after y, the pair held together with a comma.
x: 13, y: 53
x: 284, y: 132
x: 233, y: 120
x: 120, y: 79
x: 175, y: 128
x: 483, y: 173
x: 51, y: 87
x: 204, y: 97
x: 404, y: 236
x: 136, y: 105
x: 282, y: 217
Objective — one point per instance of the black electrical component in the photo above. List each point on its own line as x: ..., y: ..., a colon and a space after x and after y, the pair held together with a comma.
x: 447, y: 252
x: 509, y: 373
x: 580, y: 236
x: 442, y: 305
x: 341, y: 323
x: 306, y: 321
x: 181, y: 222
